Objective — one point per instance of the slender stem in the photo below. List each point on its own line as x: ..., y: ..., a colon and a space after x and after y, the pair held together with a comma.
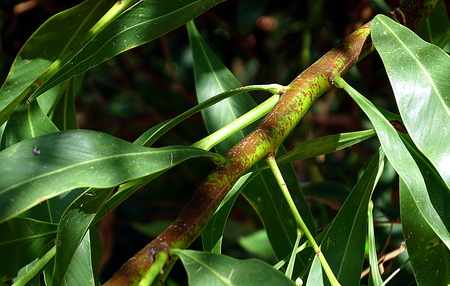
x: 223, y: 133
x: 300, y: 222
x: 160, y: 259
x: 290, y: 267
x: 156, y: 133
x: 37, y: 268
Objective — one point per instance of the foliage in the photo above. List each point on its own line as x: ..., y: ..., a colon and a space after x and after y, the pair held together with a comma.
x: 59, y: 181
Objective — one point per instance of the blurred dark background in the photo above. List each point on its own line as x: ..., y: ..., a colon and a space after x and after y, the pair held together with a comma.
x: 260, y: 41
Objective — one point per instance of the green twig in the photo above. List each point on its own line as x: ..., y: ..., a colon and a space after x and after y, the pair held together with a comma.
x: 149, y: 137
x: 37, y: 268
x: 290, y: 267
x: 149, y: 277
x: 279, y: 177
x: 223, y: 133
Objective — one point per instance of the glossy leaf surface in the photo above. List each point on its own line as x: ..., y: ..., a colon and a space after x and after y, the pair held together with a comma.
x: 52, y: 40
x: 214, y: 269
x: 421, y: 88
x: 143, y: 22
x: 50, y: 165
x: 403, y: 162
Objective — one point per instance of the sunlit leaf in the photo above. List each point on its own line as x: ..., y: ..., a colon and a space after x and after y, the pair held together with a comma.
x: 46, y: 45
x: 213, y: 269
x: 50, y: 165
x: 402, y: 161
x: 417, y: 231
x: 421, y: 88
x: 143, y: 22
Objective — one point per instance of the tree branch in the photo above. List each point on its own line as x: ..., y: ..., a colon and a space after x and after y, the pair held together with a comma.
x: 265, y: 139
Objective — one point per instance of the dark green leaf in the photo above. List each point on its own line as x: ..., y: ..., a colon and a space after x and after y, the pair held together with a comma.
x: 325, y: 145
x: 72, y: 228
x: 28, y: 121
x: 343, y: 241
x: 50, y: 165
x: 214, y: 269
x: 80, y: 270
x: 435, y: 25
x: 434, y: 260
x: 21, y: 241
x: 64, y: 114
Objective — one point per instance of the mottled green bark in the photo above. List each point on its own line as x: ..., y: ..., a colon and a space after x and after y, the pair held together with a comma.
x: 264, y: 140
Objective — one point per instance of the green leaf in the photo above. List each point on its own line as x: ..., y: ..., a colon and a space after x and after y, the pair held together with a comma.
x: 343, y: 241
x: 79, y: 48
x: 374, y: 276
x: 50, y: 165
x: 325, y: 145
x: 419, y: 233
x: 213, y: 269
x: 434, y: 259
x: 80, y: 270
x: 435, y: 25
x: 74, y: 223
x: 64, y: 114
x: 402, y: 161
x: 24, y: 270
x: 420, y: 86
x: 28, y: 121
x: 53, y: 39
x: 212, y: 234
x: 137, y: 25
x: 213, y: 77
x: 258, y: 244
x: 22, y: 241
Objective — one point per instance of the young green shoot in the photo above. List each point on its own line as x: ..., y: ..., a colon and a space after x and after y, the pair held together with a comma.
x: 223, y: 133
x: 149, y: 137
x: 300, y: 222
x: 149, y: 276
